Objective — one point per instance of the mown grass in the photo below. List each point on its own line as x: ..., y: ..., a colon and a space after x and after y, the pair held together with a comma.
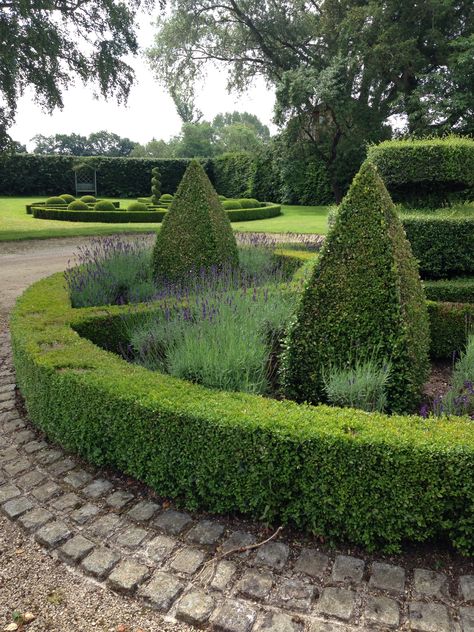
x: 16, y: 225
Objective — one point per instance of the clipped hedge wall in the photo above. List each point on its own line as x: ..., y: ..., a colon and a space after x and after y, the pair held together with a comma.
x: 35, y: 174
x: 426, y: 173
x: 117, y: 217
x: 450, y: 324
x: 372, y: 480
x: 451, y: 290
x: 234, y: 173
x: 443, y: 245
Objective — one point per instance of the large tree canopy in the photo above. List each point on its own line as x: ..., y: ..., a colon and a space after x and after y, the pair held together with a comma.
x: 47, y: 43
x: 341, y: 68
x: 101, y: 143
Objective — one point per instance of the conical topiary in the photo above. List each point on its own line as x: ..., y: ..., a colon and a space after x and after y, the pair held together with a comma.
x: 364, y: 297
x: 155, y: 186
x: 196, y: 233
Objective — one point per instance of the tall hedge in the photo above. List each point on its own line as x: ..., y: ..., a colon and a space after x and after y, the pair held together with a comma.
x: 365, y: 295
x: 34, y: 174
x: 426, y: 173
x: 196, y: 232
x: 233, y: 174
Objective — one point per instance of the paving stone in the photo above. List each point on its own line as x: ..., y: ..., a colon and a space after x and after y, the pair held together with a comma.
x: 75, y: 549
x: 188, y: 560
x: 223, y: 574
x: 119, y: 499
x: 329, y: 626
x: 161, y: 547
x: 61, y: 467
x: 382, y: 611
x: 277, y: 622
x: 143, y: 511
x: 16, y: 507
x: 17, y: 467
x: 9, y: 454
x: 97, y: 488
x: 127, y: 576
x: 67, y: 502
x: 85, y: 513
x: 35, y: 519
x: 195, y: 607
x: 100, y: 562
x: 30, y: 479
x: 46, y: 491
x: 312, y: 563
x: 162, y: 591
x: 255, y: 585
x: 238, y: 540
x: 294, y: 595
x: 205, y: 532
x: 428, y: 617
x: 131, y: 537
x: 430, y: 583
x: 14, y: 424
x: 347, y: 569
x: 77, y: 479
x: 273, y: 554
x: 173, y: 522
x: 467, y: 619
x: 337, y: 602
x: 233, y: 616
x: 34, y: 446
x: 24, y: 436
x: 46, y: 457
x: 7, y: 492
x: 387, y: 577
x: 104, y: 527
x: 53, y: 534
x: 466, y: 587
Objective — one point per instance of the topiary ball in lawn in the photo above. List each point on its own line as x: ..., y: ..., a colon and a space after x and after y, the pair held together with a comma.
x: 364, y: 297
x: 249, y: 203
x: 137, y: 206
x: 104, y: 205
x: 231, y: 205
x: 53, y: 201
x: 78, y: 205
x: 67, y: 198
x: 88, y: 199
x: 196, y: 233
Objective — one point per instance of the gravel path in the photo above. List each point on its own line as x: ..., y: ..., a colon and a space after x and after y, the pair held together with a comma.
x: 83, y: 549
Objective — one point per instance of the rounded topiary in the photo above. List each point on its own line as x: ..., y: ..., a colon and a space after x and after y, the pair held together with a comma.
x: 137, y: 206
x: 67, y: 198
x: 89, y: 199
x: 222, y: 197
x: 104, y: 205
x: 78, y: 205
x: 155, y: 185
x: 364, y: 301
x: 231, y: 205
x: 249, y: 203
x: 196, y: 233
x: 166, y: 198
x: 144, y: 200
x: 53, y: 201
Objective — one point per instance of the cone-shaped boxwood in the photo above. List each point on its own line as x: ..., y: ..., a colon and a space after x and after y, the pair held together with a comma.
x: 364, y: 296
x: 196, y: 233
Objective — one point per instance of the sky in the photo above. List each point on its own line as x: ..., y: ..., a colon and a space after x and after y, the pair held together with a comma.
x: 150, y: 111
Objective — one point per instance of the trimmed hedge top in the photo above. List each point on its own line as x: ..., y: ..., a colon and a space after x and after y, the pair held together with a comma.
x: 342, y: 474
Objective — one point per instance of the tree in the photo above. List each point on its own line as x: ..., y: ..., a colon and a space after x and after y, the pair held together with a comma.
x: 155, y: 149
x: 251, y: 121
x: 108, y: 144
x: 341, y: 69
x: 96, y: 144
x: 47, y: 43
x: 196, y: 140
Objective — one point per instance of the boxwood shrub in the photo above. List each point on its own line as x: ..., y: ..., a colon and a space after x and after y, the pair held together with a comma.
x: 371, y: 479
x: 459, y: 290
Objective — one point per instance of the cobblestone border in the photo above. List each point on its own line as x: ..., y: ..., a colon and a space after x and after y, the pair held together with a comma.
x: 137, y: 547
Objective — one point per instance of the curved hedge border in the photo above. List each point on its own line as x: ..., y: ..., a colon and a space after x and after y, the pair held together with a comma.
x: 241, y: 215
x: 63, y: 207
x: 370, y: 479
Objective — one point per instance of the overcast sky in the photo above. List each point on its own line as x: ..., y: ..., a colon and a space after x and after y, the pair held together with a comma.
x: 150, y: 112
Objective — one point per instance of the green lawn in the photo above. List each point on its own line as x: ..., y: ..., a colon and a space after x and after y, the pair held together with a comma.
x: 15, y: 224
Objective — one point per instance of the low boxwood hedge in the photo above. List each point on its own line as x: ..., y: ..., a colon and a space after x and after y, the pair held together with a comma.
x: 370, y: 479
x: 459, y: 290
x: 241, y: 215
x: 29, y: 207
x: 450, y: 324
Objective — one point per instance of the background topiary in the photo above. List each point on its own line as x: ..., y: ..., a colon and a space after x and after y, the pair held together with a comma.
x: 155, y: 186
x: 249, y: 203
x: 196, y: 232
x: 89, y: 199
x: 67, y: 198
x: 137, y: 206
x: 230, y: 205
x: 365, y: 295
x: 78, y: 205
x: 53, y: 201
x: 104, y: 205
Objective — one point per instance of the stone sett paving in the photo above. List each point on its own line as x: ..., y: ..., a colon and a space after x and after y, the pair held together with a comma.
x: 162, y: 557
